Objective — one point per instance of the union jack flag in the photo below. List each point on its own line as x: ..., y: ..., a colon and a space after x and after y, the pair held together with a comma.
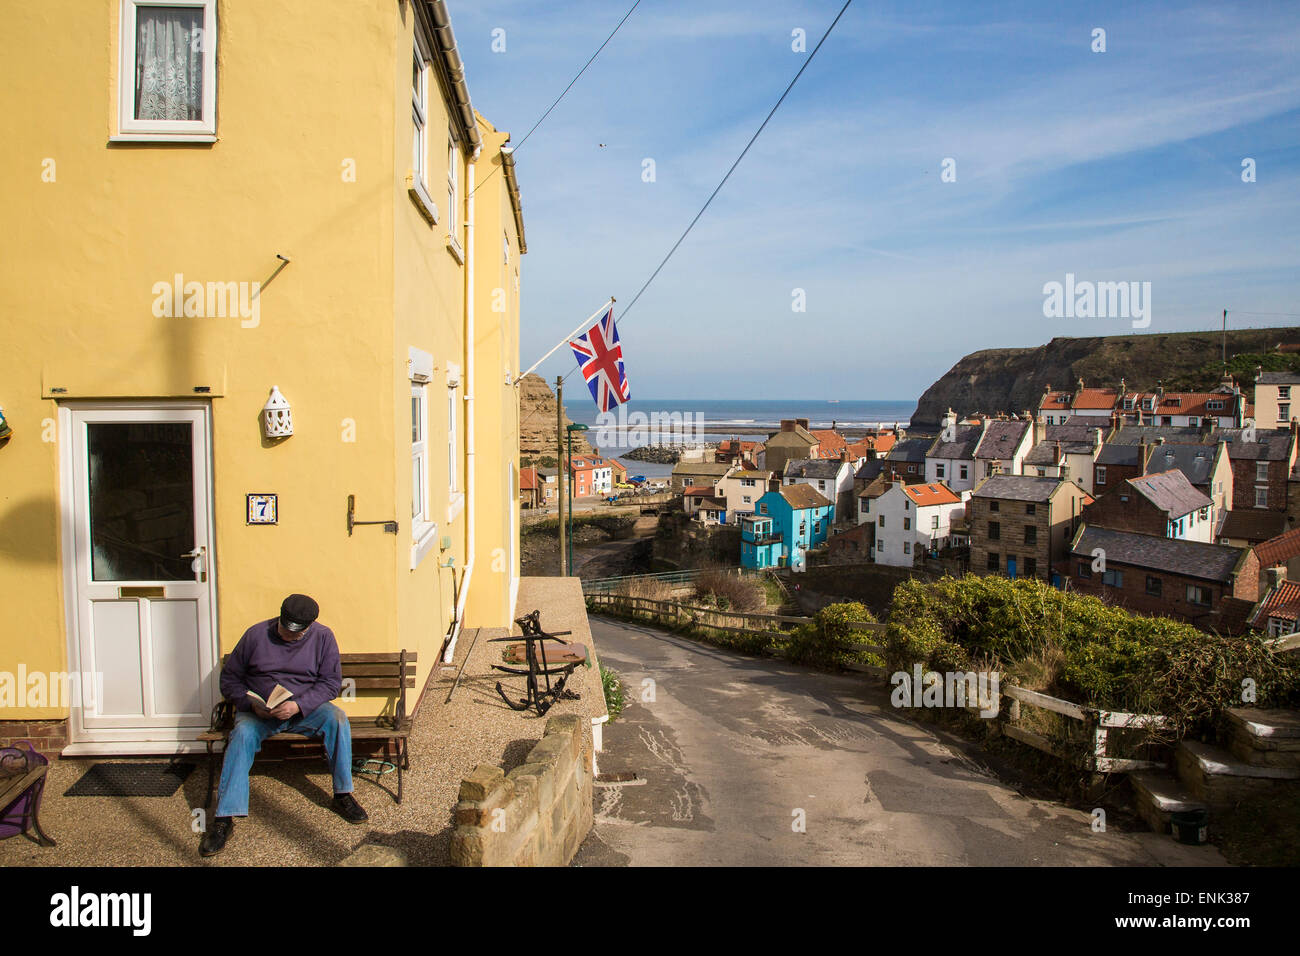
x: 600, y: 359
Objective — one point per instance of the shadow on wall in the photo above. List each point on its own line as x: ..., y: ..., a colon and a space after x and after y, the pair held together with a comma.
x: 29, y: 530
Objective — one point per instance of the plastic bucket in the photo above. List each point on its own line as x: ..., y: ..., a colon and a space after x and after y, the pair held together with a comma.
x: 1190, y: 826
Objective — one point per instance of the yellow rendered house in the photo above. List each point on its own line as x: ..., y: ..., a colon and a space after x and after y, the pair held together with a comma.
x: 260, y: 325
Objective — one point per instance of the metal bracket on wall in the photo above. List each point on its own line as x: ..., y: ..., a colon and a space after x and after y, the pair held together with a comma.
x: 389, y: 526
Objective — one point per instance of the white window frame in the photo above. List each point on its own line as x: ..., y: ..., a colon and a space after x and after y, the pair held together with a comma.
x: 130, y: 129
x: 419, y: 179
x: 1261, y: 497
x: 453, y: 194
x: 456, y: 497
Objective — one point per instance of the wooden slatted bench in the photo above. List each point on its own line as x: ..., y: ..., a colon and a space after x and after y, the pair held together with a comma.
x: 386, y: 671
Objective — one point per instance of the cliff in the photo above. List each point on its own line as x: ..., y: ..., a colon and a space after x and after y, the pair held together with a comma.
x: 1012, y: 380
x: 537, y: 421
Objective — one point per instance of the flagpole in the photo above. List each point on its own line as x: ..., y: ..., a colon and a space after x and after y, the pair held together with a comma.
x: 581, y: 328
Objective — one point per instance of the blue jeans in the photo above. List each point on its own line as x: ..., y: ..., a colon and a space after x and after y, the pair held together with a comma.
x: 326, y: 721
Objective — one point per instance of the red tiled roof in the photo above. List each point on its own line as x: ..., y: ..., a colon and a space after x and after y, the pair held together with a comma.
x: 877, y: 443
x: 1057, y: 401
x: 935, y: 494
x: 698, y: 491
x: 832, y: 442
x: 1096, y: 398
x: 528, y: 479
x: 1279, y: 550
x: 1282, y: 602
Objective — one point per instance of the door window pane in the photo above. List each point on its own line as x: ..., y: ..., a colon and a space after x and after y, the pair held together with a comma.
x: 141, y: 500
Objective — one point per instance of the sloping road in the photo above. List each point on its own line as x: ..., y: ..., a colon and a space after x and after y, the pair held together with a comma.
x: 736, y: 751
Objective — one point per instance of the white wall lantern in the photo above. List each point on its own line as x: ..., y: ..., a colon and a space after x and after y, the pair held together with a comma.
x: 277, y: 416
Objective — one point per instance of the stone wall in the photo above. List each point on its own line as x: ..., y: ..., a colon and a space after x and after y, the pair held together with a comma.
x: 538, y: 814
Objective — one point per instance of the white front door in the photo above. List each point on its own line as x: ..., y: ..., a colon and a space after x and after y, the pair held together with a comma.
x: 141, y: 572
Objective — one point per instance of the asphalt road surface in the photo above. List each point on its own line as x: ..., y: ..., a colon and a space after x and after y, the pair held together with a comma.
x: 748, y: 761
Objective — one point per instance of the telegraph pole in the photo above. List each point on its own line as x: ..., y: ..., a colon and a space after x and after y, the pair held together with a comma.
x: 563, y: 470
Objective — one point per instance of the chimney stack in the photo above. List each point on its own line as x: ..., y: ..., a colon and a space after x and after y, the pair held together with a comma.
x: 787, y: 424
x: 1276, y: 575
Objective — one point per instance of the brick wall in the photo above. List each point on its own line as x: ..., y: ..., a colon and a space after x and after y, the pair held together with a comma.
x: 1172, y: 600
x: 46, y: 736
x: 1244, y: 484
x: 1136, y: 514
x: 536, y: 815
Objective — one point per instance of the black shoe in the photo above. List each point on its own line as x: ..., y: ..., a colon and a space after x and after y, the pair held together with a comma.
x: 346, y: 806
x: 214, y: 839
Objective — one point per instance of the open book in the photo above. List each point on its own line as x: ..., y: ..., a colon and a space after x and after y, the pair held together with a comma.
x: 278, y: 697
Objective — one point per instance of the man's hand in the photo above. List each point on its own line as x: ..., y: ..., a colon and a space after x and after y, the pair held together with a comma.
x: 259, y: 710
x: 285, y: 710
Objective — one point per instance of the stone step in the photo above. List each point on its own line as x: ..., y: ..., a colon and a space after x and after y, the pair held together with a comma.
x: 1214, y: 775
x: 1266, y: 737
x: 1158, y: 795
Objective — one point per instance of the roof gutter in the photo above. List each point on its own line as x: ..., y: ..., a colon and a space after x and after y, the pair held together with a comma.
x: 512, y: 184
x: 453, y: 70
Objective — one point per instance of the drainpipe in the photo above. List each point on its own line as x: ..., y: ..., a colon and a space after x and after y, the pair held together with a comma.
x: 449, y: 654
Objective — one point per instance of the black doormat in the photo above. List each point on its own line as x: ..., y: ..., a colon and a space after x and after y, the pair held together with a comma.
x: 147, y: 779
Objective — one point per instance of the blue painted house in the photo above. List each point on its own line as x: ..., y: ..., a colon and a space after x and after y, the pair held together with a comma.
x: 784, y: 525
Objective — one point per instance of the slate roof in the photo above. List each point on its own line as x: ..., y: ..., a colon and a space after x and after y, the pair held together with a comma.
x: 1017, y: 487
x: 1253, y: 525
x: 812, y: 468
x: 1001, y: 439
x: 1171, y: 492
x: 1194, y: 461
x: 1115, y: 454
x: 804, y: 496
x: 910, y: 449
x: 797, y: 437
x: 967, y: 438
x: 1044, y: 453
x: 708, y: 469
x: 1271, y: 444
x: 1193, y: 559
x: 1279, y: 378
x: 1172, y: 434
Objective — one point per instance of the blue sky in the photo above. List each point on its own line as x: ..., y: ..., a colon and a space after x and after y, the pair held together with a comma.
x: 1115, y: 166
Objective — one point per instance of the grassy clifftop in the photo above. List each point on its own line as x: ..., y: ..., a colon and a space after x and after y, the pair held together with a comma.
x: 1012, y: 380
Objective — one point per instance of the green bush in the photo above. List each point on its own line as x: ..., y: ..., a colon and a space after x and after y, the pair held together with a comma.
x: 1079, y: 648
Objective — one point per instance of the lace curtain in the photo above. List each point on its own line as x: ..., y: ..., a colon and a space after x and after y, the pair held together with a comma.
x: 169, y: 63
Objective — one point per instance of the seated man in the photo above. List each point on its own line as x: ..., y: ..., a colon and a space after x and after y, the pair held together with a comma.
x: 300, y: 654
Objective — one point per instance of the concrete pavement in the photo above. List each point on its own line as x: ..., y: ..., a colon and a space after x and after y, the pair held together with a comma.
x: 747, y: 761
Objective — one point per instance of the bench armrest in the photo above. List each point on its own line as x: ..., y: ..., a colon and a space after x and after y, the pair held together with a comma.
x: 223, y: 715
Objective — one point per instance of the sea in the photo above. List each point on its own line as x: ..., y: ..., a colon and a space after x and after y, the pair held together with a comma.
x: 716, y: 419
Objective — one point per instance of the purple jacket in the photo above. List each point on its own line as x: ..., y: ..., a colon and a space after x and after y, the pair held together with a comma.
x: 308, y: 666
